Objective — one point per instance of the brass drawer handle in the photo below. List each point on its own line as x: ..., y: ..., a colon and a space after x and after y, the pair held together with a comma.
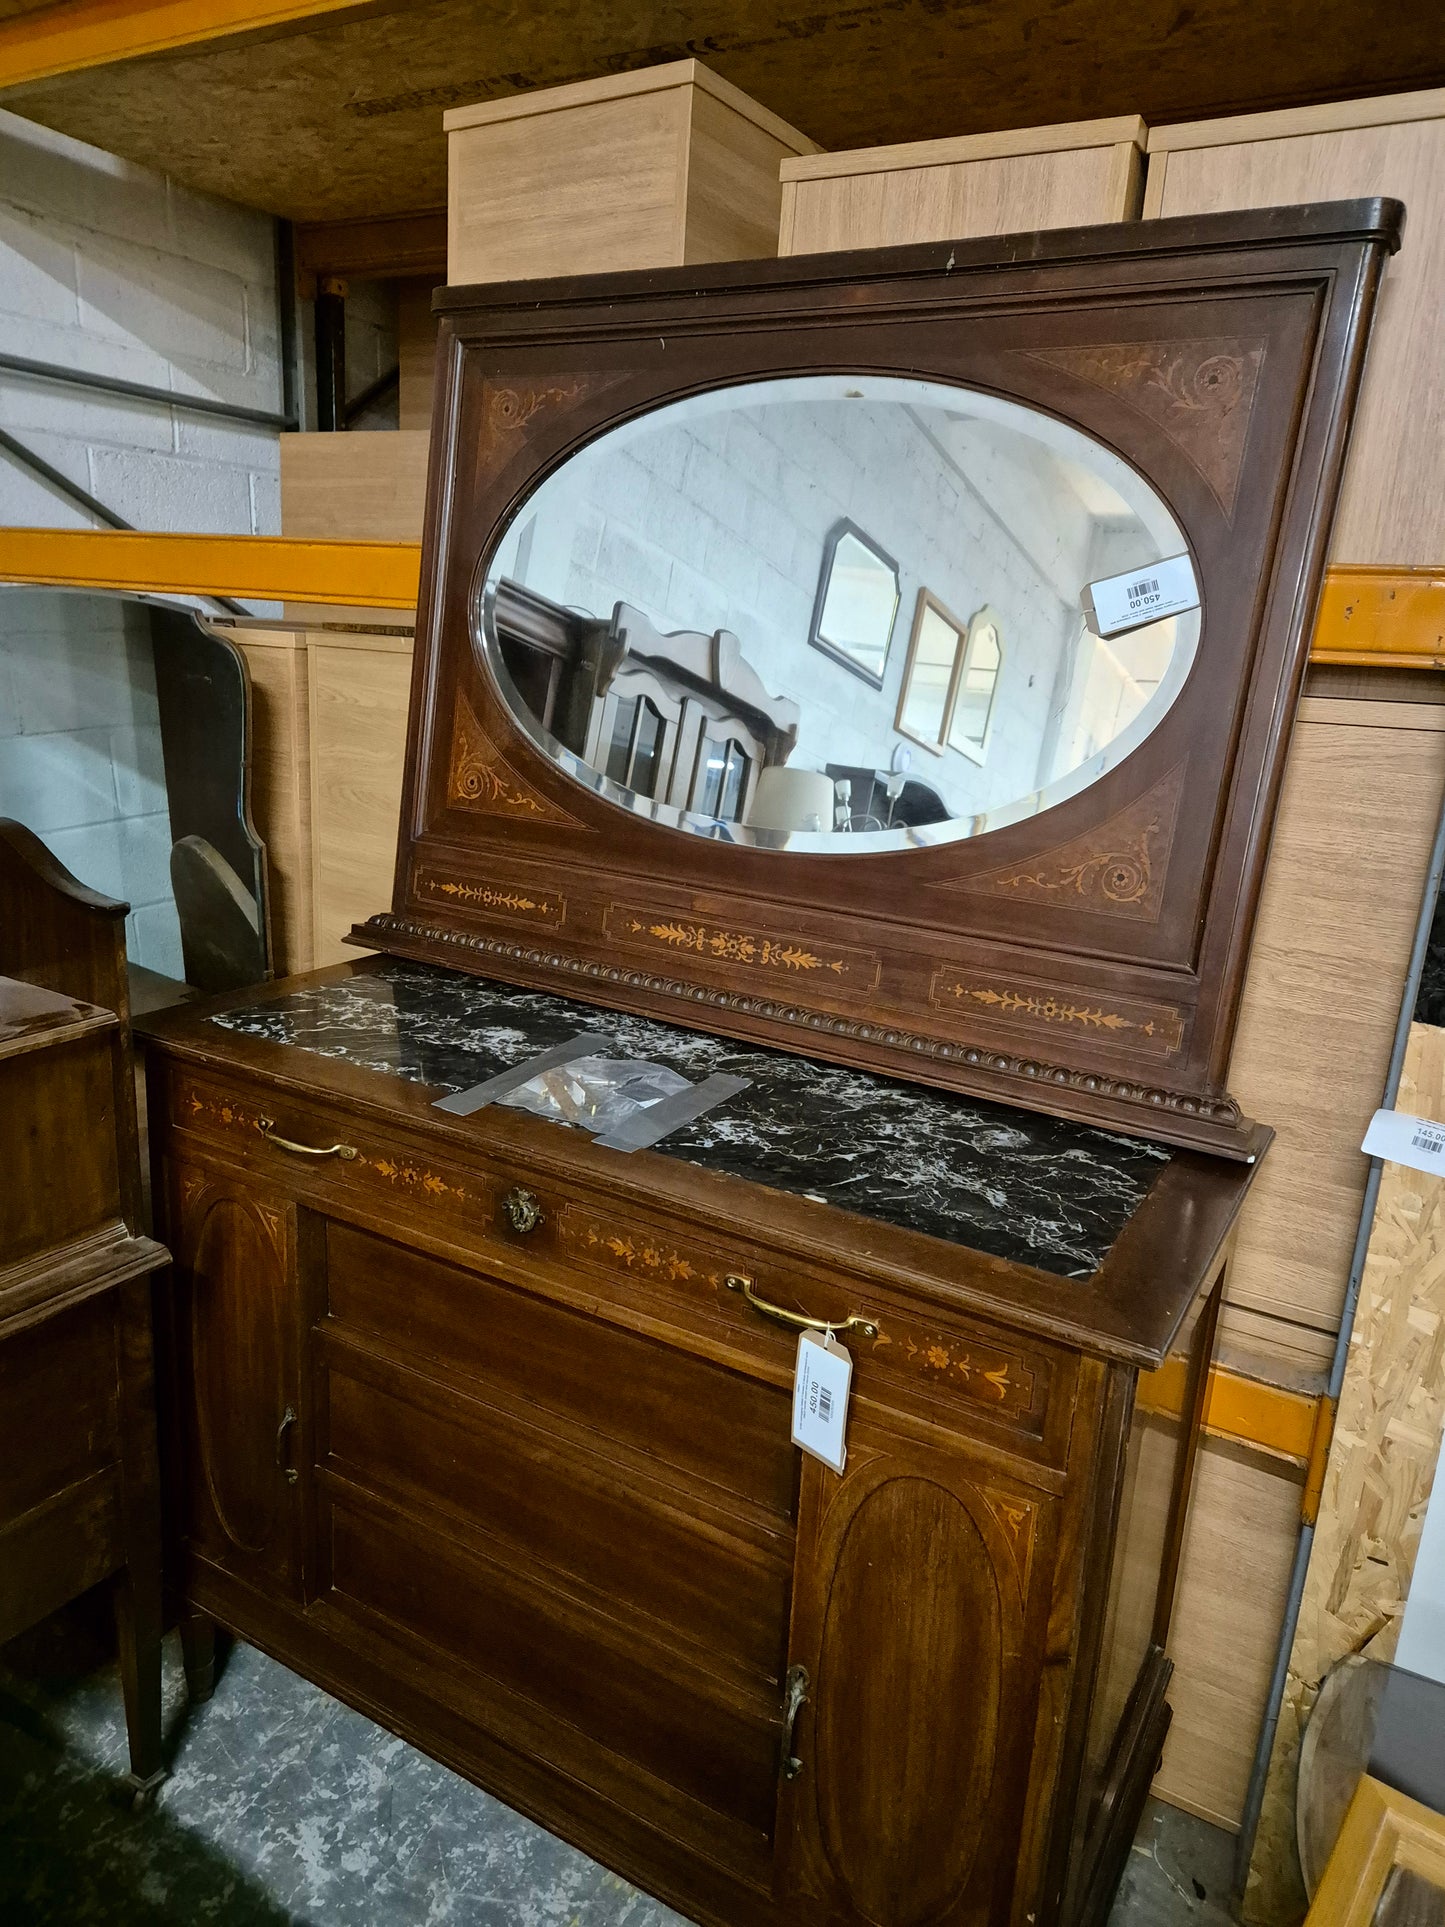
x: 522, y: 1209
x: 795, y: 1319
x: 794, y: 1699
x: 288, y: 1419
x: 268, y: 1131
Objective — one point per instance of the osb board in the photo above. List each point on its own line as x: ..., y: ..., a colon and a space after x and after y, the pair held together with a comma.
x: 281, y: 784
x: 1392, y: 509
x: 359, y: 687
x: 924, y: 201
x: 1381, y: 1467
x: 346, y: 120
x: 1363, y: 793
x: 363, y: 487
x: 1233, y: 1581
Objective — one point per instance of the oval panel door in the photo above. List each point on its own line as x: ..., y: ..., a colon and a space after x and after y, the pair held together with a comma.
x: 910, y: 1679
x: 240, y: 1375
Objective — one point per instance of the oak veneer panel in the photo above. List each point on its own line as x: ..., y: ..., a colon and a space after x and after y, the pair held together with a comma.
x: 416, y: 349
x: 1363, y: 793
x: 1040, y: 177
x: 358, y: 690
x: 281, y: 784
x: 638, y: 170
x: 1392, y: 510
x: 1233, y: 1583
x: 369, y: 486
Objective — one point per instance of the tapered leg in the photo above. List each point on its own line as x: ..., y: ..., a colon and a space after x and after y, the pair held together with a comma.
x: 198, y: 1649
x: 138, y: 1586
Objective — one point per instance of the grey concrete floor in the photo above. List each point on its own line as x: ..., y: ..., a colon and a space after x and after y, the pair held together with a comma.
x: 285, y: 1808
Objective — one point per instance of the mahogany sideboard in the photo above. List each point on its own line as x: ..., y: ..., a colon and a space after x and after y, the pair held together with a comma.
x: 79, y: 1485
x: 473, y: 1424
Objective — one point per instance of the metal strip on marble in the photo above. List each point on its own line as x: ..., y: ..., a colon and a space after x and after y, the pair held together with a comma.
x: 463, y: 1103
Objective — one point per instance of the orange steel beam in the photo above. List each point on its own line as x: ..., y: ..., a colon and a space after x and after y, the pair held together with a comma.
x: 1382, y: 619
x: 68, y: 38
x: 1275, y: 1419
x: 262, y: 568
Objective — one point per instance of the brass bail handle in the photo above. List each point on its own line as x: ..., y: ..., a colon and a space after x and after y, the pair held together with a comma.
x: 795, y: 1319
x: 267, y: 1126
x: 795, y: 1698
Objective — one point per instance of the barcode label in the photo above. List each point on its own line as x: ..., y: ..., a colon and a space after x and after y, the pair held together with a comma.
x: 1418, y: 1142
x: 1122, y: 602
x: 820, y: 1397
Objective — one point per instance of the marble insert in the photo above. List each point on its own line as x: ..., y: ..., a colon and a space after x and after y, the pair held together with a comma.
x: 1008, y: 1182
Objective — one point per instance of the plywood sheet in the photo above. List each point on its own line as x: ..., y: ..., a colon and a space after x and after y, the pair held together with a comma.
x: 366, y: 487
x: 1381, y: 1468
x: 358, y: 702
x: 1392, y: 510
x: 1363, y: 793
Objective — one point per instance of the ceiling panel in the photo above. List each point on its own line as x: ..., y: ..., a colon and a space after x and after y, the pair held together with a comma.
x: 345, y: 121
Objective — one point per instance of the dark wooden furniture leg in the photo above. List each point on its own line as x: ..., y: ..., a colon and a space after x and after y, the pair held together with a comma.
x: 138, y: 1613
x: 198, y: 1650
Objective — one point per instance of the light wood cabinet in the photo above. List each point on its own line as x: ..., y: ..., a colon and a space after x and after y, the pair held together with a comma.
x: 1007, y: 183
x: 1392, y: 508
x: 662, y: 167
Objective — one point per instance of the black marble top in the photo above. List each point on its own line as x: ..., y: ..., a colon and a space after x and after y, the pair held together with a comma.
x: 1032, y: 1189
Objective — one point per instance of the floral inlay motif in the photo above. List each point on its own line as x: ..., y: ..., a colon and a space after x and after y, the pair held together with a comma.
x: 1157, y: 1028
x: 731, y: 946
x: 479, y: 777
x: 642, y: 1254
x: 222, y: 1111
x: 411, y: 1177
x: 543, y: 908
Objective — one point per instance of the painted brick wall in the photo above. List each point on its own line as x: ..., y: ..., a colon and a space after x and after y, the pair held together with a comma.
x: 720, y: 523
x: 110, y: 268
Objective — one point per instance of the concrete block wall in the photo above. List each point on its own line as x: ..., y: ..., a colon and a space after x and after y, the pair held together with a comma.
x: 721, y: 523
x: 107, y: 267
x: 110, y: 268
x: 80, y: 753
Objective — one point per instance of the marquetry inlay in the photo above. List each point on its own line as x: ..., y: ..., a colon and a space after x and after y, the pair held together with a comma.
x: 764, y: 952
x: 1023, y: 1003
x: 629, y: 1248
x: 504, y: 899
x: 988, y: 1375
x: 1201, y: 393
x: 480, y: 778
x: 1116, y: 870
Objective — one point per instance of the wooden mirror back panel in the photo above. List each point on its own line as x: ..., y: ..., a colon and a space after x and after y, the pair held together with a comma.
x: 633, y: 776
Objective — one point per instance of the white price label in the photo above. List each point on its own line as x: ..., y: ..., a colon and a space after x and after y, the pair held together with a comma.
x: 820, y: 1397
x: 1122, y: 602
x: 1414, y: 1141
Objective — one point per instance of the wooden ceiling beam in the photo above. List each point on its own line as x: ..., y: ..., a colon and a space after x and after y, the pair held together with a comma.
x: 393, y: 247
x: 72, y: 37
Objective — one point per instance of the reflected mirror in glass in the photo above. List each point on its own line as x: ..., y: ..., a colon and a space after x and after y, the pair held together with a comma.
x: 857, y: 603
x: 977, y: 684
x: 691, y: 615
x: 928, y: 679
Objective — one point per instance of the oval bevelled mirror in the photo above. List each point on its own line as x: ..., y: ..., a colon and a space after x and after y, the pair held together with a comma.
x: 840, y: 612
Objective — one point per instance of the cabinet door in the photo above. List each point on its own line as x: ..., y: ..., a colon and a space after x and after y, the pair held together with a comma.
x: 237, y: 1376
x: 919, y: 1624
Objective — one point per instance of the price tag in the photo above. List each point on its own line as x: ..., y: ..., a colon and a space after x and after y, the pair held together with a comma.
x: 820, y: 1397
x: 1119, y: 603
x: 1414, y: 1141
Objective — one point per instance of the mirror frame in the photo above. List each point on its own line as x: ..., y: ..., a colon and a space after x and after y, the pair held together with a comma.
x: 839, y: 532
x: 986, y: 617
x: 1088, y: 960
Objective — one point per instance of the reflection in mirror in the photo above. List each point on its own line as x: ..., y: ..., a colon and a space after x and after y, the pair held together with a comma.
x: 857, y: 603
x: 980, y: 660
x: 928, y: 679
x: 692, y: 614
